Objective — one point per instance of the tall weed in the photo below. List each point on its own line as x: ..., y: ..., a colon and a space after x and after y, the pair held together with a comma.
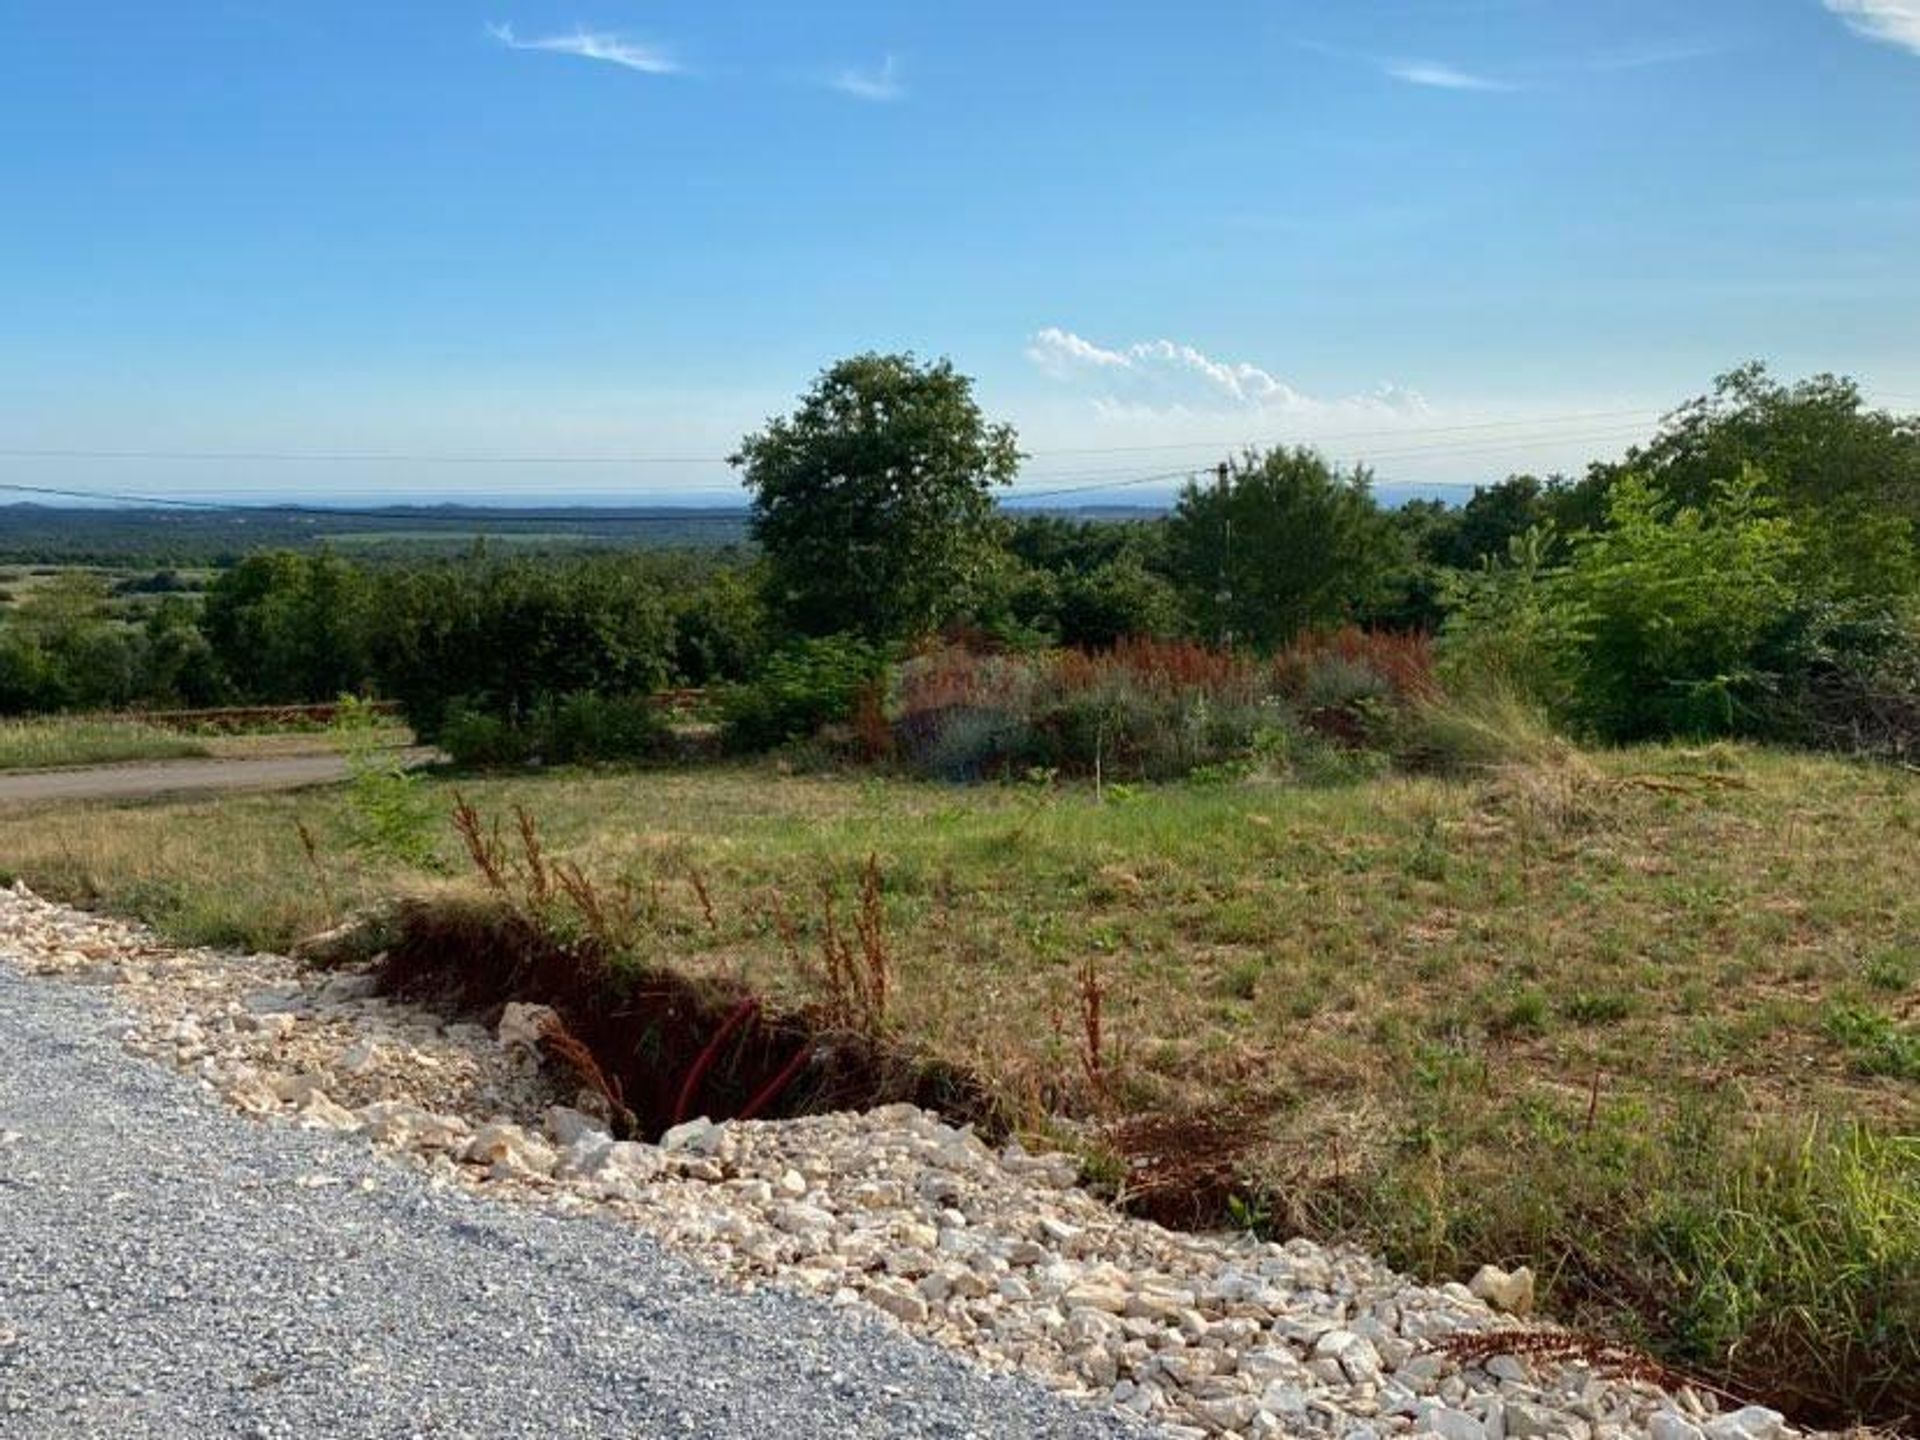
x: 388, y: 813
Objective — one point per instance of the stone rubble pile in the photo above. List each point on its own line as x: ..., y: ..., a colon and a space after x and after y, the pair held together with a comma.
x: 994, y: 1252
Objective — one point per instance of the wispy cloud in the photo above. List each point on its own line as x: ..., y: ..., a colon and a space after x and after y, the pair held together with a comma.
x: 879, y: 85
x: 1895, y: 21
x: 1166, y: 377
x: 1439, y: 76
x: 594, y: 45
x: 1676, y: 52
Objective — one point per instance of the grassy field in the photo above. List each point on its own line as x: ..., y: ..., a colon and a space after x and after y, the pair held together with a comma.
x: 1649, y: 1021
x: 38, y: 744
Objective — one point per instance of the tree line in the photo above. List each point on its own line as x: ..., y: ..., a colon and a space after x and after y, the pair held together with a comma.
x: 1750, y: 569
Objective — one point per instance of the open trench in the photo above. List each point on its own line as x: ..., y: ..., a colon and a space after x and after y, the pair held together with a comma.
x: 657, y: 1046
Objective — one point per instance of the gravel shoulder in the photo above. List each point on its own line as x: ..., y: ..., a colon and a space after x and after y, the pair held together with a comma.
x: 420, y: 1230
x: 168, y: 1268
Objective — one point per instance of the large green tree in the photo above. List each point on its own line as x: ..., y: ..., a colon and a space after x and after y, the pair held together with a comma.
x: 1847, y: 474
x: 1281, y: 543
x: 286, y: 626
x: 873, y: 501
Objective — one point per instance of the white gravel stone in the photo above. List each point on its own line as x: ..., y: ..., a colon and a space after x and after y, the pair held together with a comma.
x: 998, y: 1253
x: 1752, y: 1422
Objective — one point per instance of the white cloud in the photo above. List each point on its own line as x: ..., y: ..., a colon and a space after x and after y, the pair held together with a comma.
x: 1166, y: 378
x: 1439, y: 76
x: 1895, y: 21
x: 879, y: 85
x: 594, y: 45
x: 1675, y: 52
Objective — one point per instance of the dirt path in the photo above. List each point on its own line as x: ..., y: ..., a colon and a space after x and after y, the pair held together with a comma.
x: 142, y: 779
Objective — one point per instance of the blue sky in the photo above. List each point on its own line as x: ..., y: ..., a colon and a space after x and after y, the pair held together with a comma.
x: 1455, y: 237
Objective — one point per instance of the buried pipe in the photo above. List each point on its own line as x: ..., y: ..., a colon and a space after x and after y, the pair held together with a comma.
x: 776, y: 1087
x: 698, y: 1070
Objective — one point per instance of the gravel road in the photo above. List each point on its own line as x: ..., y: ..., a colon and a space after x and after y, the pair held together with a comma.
x: 142, y: 779
x: 170, y: 1269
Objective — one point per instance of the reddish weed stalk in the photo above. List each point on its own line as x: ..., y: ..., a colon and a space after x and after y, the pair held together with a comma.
x: 706, y: 899
x: 312, y: 847
x: 1093, y: 1050
x: 856, y: 971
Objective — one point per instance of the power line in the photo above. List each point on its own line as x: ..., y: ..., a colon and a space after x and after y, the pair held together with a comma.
x: 1158, y: 476
x: 373, y: 457
x: 1529, y: 422
x: 383, y: 457
x: 351, y: 457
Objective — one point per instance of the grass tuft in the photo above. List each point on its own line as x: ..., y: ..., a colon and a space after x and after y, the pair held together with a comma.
x: 39, y: 744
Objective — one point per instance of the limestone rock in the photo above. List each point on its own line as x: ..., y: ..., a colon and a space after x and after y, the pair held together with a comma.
x: 521, y: 1026
x: 509, y: 1150
x: 1511, y: 1291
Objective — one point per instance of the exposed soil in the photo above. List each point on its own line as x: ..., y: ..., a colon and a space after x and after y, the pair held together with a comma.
x: 661, y: 1046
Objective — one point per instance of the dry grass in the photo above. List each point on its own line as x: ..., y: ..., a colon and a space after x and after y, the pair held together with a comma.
x: 1645, y: 915
x: 45, y: 743
x: 1529, y: 1012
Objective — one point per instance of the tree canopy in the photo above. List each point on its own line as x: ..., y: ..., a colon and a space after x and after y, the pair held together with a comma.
x: 873, y: 500
x: 1285, y: 542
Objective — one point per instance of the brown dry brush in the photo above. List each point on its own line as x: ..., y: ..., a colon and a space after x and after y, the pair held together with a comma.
x: 484, y: 849
x: 700, y: 889
x: 1184, y: 1169
x: 681, y: 1044
x: 312, y: 849
x: 856, y: 971
x: 876, y: 961
x: 610, y: 919
x: 568, y: 1054
x: 539, y: 881
x: 1093, y: 1050
x: 1604, y: 1357
x: 783, y: 926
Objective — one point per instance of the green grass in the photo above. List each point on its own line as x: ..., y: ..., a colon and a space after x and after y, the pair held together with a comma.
x: 41, y: 743
x: 1644, y: 1019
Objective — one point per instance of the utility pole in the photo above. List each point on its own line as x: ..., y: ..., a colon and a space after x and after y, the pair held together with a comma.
x: 1224, y: 595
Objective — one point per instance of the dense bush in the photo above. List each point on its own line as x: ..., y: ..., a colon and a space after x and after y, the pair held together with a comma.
x: 1150, y: 709
x: 574, y: 729
x: 802, y: 687
x: 63, y: 649
x: 290, y: 627
x: 504, y: 638
x: 1285, y: 543
x: 719, y: 628
x: 1679, y: 619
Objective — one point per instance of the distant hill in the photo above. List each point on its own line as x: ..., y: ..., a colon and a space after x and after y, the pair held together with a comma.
x: 100, y: 535
x: 110, y: 535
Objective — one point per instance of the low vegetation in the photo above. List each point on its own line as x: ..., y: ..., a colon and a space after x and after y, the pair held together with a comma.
x: 1643, y: 1019
x: 45, y: 743
x: 1298, y: 889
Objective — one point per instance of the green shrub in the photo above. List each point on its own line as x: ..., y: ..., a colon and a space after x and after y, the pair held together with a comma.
x: 1876, y: 1044
x: 506, y: 637
x: 1672, y: 610
x: 577, y: 729
x: 1726, y: 616
x: 388, y: 813
x: 479, y: 740
x: 808, y: 684
x: 719, y: 629
x: 1798, y: 1267
x: 587, y: 727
